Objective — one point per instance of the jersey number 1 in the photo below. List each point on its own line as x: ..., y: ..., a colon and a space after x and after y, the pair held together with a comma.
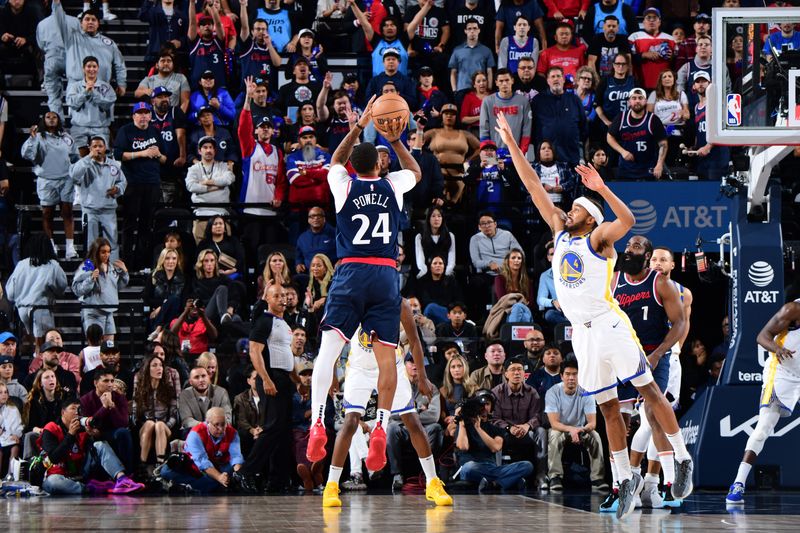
x: 380, y: 231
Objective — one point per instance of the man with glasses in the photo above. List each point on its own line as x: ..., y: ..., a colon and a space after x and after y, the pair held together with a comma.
x: 526, y: 82
x: 611, y: 96
x: 487, y: 249
x: 653, y: 48
x: 604, y: 47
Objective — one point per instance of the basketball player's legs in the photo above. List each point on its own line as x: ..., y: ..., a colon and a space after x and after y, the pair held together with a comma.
x: 387, y: 383
x: 341, y: 448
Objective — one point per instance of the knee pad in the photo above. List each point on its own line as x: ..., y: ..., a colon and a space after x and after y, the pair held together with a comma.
x: 767, y: 420
x: 642, y: 437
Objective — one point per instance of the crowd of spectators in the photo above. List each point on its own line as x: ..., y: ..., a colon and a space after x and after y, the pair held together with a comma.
x: 213, y: 131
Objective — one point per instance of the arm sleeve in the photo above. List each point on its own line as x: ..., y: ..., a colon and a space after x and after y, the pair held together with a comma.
x: 245, y: 132
x: 451, y: 256
x: 29, y: 148
x: 419, y: 256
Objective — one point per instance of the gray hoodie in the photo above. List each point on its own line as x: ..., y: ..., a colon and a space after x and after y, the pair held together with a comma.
x: 16, y: 390
x: 91, y: 109
x: 204, y: 194
x: 50, y: 154
x: 36, y: 285
x: 95, y: 179
x: 103, y: 290
x: 48, y: 37
x: 80, y: 44
x: 483, y: 250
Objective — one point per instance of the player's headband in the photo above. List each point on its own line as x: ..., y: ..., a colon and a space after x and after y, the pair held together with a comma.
x: 591, y: 208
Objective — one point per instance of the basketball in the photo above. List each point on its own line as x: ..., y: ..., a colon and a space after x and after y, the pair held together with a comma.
x: 390, y: 115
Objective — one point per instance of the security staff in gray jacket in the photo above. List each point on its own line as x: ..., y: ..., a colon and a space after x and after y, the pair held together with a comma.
x: 48, y: 37
x: 102, y: 182
x: 81, y: 39
x: 91, y: 104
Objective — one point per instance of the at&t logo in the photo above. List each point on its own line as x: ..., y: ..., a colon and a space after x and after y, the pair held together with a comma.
x: 645, y: 215
x: 761, y: 274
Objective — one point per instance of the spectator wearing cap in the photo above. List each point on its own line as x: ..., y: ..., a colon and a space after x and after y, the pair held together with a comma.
x: 492, y: 182
x: 279, y: 23
x: 171, y: 122
x: 17, y: 392
x: 48, y: 356
x: 102, y: 182
x: 91, y: 104
x: 559, y: 117
x: 228, y: 37
x: 605, y: 46
x: 310, y: 474
x: 307, y: 47
x: 398, y: 438
x: 431, y: 99
x: 140, y: 148
x: 297, y: 92
x: 470, y: 57
x: 563, y: 54
x: 516, y: 108
x: 208, y: 181
x: 206, y: 51
x: 109, y: 360
x: 453, y: 147
x: 263, y: 175
x: 712, y: 160
x: 258, y: 57
x: 391, y: 35
x: 518, y: 410
x: 428, y: 29
x: 67, y: 360
x: 165, y: 76
x: 81, y: 39
x: 167, y: 27
x: 597, y: 13
x: 686, y: 49
x: 225, y: 147
x: 109, y: 413
x: 334, y: 120
x: 391, y: 73
x: 307, y: 172
x: 641, y: 155
x: 36, y: 280
x: 260, y: 103
x: 507, y: 15
x: 652, y: 49
x: 209, y: 94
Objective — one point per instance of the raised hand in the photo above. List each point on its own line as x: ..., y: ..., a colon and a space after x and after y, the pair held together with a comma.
x: 504, y: 129
x: 590, y: 177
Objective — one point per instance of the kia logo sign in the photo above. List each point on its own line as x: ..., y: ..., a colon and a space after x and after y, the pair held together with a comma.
x: 645, y: 215
x: 761, y: 274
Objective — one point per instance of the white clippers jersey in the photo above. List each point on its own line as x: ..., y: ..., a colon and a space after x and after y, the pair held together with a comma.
x: 582, y: 278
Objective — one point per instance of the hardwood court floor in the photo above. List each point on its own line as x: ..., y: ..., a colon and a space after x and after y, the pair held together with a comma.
x: 773, y: 512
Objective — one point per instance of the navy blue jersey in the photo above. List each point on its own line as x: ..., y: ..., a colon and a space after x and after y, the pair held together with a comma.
x: 173, y: 120
x: 207, y: 55
x: 368, y: 212
x: 517, y: 52
x: 640, y: 301
x: 612, y: 95
x: 700, y: 126
x: 255, y: 61
x: 639, y: 137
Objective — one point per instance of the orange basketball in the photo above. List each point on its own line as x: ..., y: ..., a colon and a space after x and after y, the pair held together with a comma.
x: 390, y: 115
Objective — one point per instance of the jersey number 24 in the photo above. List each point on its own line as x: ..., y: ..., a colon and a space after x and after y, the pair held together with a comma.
x: 379, y: 231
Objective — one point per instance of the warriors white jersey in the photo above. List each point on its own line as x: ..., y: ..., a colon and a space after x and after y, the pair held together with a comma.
x: 361, y: 354
x: 790, y: 339
x: 582, y: 278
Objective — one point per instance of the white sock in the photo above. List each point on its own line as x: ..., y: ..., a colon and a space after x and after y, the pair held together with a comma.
x: 668, y: 466
x: 429, y: 467
x: 614, y: 474
x: 678, y: 446
x: 623, y: 464
x: 86, y: 6
x: 105, y: 8
x: 330, y: 347
x: 334, y: 474
x: 636, y: 470
x: 383, y: 418
x: 651, y: 478
x: 744, y: 471
x: 70, y: 243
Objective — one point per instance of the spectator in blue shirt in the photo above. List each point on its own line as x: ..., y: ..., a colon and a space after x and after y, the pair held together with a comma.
x: 549, y: 373
x: 787, y: 36
x: 546, y: 297
x: 319, y: 238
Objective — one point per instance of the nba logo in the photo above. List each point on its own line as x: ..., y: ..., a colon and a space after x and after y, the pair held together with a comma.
x: 734, y: 110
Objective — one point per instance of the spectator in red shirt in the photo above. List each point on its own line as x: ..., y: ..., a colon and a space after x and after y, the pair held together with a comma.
x: 563, y: 54
x: 194, y: 329
x: 561, y: 9
x: 652, y: 49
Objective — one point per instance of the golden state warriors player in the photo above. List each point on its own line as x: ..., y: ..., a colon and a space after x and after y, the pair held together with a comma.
x: 360, y: 381
x: 603, y: 339
x: 364, y: 289
x: 780, y: 391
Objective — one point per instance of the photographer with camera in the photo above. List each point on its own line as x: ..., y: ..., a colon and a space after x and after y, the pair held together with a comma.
x: 477, y: 442
x: 109, y: 413
x: 194, y: 329
x: 73, y: 459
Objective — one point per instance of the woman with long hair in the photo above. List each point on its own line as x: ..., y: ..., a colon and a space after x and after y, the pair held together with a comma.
x: 456, y: 386
x: 154, y: 409
x: 36, y: 280
x: 210, y: 95
x: 230, y: 253
x: 452, y: 147
x: 436, y: 290
x: 514, y: 278
x: 276, y: 270
x: 167, y: 348
x: 208, y: 361
x: 164, y: 290
x: 435, y: 239
x: 321, y: 271
x: 43, y: 405
x: 307, y: 47
x: 97, y: 282
x: 470, y: 114
x: 212, y: 289
x: 52, y: 150
x: 671, y: 106
x: 585, y: 84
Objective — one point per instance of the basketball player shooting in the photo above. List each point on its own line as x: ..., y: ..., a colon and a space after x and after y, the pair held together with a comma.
x: 603, y: 339
x: 364, y: 289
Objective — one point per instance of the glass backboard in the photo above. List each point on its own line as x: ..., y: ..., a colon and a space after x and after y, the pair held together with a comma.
x: 753, y: 99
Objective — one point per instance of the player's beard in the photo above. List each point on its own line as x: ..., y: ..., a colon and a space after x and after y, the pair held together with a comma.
x: 631, y: 263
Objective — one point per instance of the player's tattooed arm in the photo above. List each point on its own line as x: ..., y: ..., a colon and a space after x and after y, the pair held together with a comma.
x: 342, y: 153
